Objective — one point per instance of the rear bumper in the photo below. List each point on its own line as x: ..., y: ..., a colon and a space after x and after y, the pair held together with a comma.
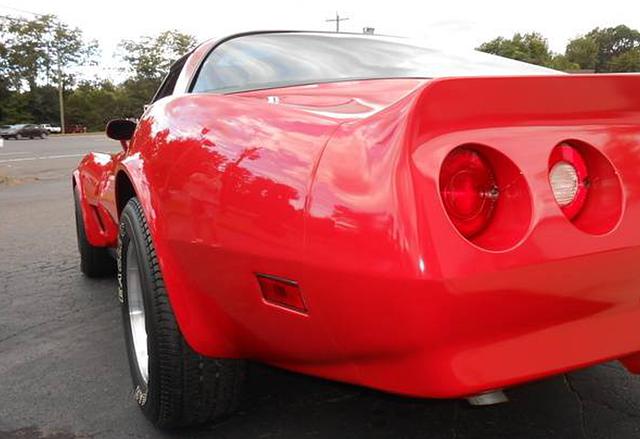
x: 425, y: 312
x: 461, y: 336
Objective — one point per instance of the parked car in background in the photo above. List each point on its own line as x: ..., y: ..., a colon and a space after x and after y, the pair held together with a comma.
x: 51, y: 129
x: 4, y: 129
x: 24, y: 131
x: 77, y: 128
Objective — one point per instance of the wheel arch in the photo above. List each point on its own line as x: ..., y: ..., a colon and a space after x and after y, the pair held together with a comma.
x: 124, y: 190
x: 193, y: 319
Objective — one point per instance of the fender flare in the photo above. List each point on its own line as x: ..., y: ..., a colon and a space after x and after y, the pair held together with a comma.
x: 194, y: 319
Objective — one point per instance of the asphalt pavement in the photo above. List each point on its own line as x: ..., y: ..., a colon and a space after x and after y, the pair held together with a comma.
x: 63, y: 370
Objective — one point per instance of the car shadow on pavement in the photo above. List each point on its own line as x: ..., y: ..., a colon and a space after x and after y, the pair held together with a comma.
x: 602, y: 401
x: 70, y: 356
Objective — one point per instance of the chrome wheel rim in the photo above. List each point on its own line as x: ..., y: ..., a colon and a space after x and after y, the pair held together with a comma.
x: 137, y: 321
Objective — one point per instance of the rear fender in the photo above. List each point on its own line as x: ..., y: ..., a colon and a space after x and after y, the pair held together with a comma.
x: 194, y: 311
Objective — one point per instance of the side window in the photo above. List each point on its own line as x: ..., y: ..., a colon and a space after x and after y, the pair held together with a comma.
x: 169, y: 83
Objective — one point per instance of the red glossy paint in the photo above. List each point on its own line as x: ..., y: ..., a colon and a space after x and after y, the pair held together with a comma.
x: 94, y: 180
x: 336, y: 187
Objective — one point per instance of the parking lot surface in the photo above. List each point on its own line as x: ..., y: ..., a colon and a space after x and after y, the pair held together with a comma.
x: 63, y: 371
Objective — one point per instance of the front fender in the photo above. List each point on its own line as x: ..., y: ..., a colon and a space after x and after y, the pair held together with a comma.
x: 89, y: 180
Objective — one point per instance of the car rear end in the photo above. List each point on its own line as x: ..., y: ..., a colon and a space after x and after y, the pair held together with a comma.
x: 528, y: 196
x: 479, y: 233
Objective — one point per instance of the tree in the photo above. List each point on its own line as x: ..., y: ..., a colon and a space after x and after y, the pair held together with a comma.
x: 626, y: 62
x: 606, y: 50
x: 583, y: 51
x: 31, y: 52
x: 532, y: 48
x: 33, y: 49
x: 560, y: 62
x: 151, y: 57
x: 148, y: 60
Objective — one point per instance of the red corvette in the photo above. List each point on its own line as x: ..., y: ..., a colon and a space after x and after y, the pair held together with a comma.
x: 367, y: 210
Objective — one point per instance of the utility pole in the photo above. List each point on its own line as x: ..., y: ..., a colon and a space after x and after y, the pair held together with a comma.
x: 337, y: 20
x: 60, y: 84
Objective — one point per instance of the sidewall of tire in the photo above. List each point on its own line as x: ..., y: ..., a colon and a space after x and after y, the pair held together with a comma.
x: 184, y: 388
x: 146, y: 395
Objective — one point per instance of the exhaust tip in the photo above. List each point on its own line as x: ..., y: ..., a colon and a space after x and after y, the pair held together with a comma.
x: 488, y: 398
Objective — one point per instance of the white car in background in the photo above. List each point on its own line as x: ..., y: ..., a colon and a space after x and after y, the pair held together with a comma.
x: 51, y: 129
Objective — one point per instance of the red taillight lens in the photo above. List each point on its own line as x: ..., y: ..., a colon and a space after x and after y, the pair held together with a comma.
x: 569, y: 179
x: 469, y: 190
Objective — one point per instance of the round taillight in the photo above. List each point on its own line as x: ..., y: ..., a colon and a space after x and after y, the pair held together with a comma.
x: 469, y: 190
x: 568, y: 178
x: 564, y: 183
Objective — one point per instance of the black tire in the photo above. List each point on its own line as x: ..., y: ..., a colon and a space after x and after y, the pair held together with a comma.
x: 94, y: 261
x: 183, y: 388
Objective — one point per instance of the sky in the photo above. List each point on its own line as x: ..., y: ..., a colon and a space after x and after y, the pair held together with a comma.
x: 459, y: 24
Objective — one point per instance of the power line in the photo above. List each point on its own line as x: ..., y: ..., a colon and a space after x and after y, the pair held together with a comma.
x: 24, y: 11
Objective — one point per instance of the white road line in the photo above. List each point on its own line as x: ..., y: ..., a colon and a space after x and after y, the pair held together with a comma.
x: 47, y: 157
x: 15, y: 153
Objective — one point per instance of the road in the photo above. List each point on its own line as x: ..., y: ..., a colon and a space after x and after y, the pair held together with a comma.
x: 63, y: 371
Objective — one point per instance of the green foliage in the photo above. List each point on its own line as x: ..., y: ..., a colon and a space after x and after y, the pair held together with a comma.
x: 29, y: 54
x: 562, y: 63
x: 613, y: 49
x: 32, y: 50
x: 583, y: 51
x: 92, y: 104
x: 626, y: 62
x: 151, y: 57
x: 532, y: 48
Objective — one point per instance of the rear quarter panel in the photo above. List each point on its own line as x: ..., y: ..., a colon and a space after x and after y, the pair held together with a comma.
x: 224, y: 182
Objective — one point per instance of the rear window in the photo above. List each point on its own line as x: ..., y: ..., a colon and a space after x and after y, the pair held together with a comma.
x: 282, y: 59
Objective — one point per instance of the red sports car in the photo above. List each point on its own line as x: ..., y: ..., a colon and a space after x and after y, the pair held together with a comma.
x: 367, y: 210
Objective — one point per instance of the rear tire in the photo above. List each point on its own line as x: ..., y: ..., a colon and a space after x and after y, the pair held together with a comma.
x: 173, y: 385
x: 94, y: 261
